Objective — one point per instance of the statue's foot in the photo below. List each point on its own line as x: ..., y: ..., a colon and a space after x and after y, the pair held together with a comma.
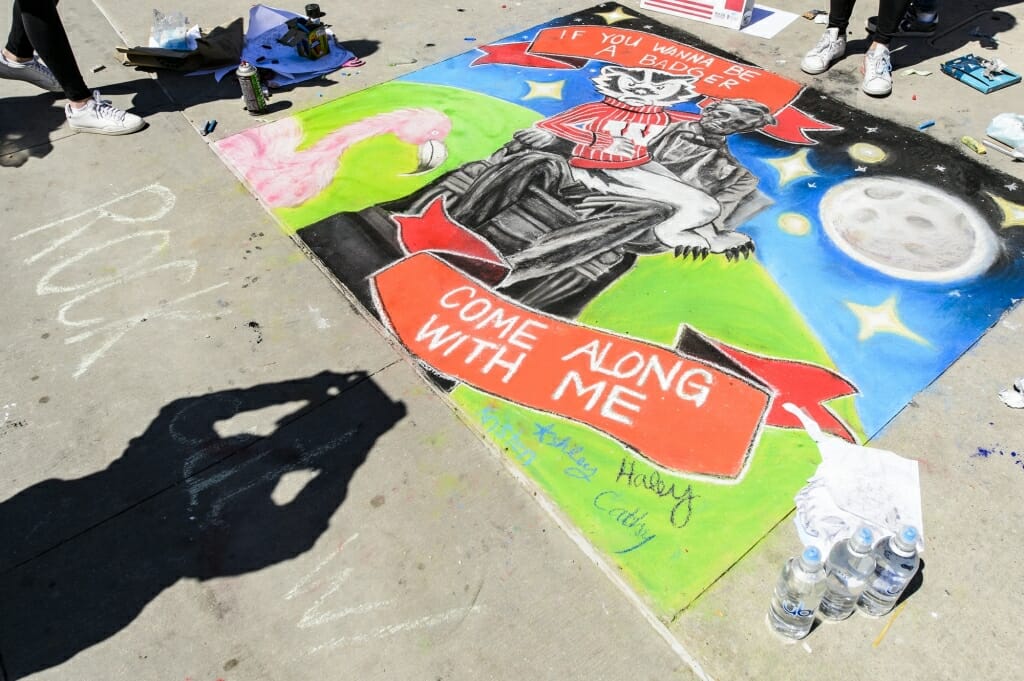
x: 690, y: 243
x: 732, y: 245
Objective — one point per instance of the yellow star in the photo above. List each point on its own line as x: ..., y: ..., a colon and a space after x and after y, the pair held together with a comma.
x: 615, y: 15
x: 792, y: 167
x: 882, y: 319
x: 544, y: 90
x: 1013, y: 213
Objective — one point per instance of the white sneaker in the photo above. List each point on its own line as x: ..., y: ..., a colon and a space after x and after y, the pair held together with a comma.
x: 35, y: 72
x: 877, y: 72
x: 831, y: 46
x: 100, y: 116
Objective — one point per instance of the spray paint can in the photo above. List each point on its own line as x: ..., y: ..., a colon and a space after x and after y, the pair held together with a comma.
x: 253, y: 94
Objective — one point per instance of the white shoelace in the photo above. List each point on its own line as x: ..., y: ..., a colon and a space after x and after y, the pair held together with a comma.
x: 105, y: 108
x: 824, y: 44
x: 881, y: 64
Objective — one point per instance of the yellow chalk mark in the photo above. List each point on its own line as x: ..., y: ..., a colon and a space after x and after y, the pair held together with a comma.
x: 883, y: 318
x: 866, y: 153
x: 542, y: 90
x: 885, y: 629
x: 794, y: 223
x: 792, y: 167
x: 615, y: 15
x: 1013, y: 213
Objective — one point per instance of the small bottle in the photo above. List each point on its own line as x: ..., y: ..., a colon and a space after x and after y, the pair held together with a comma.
x: 849, y: 567
x: 316, y: 42
x: 797, y: 594
x: 896, y: 562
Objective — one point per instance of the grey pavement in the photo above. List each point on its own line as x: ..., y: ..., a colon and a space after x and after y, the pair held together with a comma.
x: 215, y: 467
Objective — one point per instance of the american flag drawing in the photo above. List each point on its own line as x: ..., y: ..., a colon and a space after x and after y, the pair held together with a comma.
x: 695, y: 9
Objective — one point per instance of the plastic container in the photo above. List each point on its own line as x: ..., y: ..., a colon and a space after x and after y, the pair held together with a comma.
x: 797, y: 594
x: 896, y: 563
x: 849, y: 569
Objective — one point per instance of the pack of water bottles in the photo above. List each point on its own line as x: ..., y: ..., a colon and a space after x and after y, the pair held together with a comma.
x: 860, y: 573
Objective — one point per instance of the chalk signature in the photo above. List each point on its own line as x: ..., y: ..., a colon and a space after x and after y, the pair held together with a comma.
x: 581, y: 468
x: 681, y: 511
x: 630, y: 518
x: 507, y: 434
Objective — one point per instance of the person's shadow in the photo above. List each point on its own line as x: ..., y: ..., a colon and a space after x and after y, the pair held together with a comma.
x: 962, y: 28
x: 81, y: 558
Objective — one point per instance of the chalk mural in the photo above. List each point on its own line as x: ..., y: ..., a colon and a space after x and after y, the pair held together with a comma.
x: 621, y: 252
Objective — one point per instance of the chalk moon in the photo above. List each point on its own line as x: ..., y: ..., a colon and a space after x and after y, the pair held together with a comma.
x: 908, y: 229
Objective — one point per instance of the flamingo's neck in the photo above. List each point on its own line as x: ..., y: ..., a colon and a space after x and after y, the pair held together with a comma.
x: 341, y: 139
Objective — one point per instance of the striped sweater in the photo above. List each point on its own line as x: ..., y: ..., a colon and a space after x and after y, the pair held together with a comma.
x: 593, y: 127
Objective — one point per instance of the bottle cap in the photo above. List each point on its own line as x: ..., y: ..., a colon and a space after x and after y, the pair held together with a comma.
x: 906, y: 539
x: 811, y: 557
x: 862, y: 539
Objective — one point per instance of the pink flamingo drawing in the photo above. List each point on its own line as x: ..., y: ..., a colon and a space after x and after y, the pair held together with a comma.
x: 283, y: 176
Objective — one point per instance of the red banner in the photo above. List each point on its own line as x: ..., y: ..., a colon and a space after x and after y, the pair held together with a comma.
x: 693, y: 409
x: 571, y: 46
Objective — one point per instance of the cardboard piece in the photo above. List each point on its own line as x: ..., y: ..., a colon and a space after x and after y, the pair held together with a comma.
x: 979, y: 74
x: 222, y: 45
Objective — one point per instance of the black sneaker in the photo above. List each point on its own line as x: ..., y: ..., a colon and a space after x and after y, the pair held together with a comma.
x: 910, y: 26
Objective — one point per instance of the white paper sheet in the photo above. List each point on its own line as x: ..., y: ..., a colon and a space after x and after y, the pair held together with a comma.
x: 767, y: 22
x: 855, y: 485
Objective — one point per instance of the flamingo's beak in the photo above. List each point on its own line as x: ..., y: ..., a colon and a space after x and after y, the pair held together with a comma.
x: 431, y: 154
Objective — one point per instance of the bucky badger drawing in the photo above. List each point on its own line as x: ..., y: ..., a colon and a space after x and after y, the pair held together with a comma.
x: 615, y: 132
x: 611, y: 153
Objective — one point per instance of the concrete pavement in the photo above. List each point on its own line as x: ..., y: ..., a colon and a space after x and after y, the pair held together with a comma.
x: 163, y: 378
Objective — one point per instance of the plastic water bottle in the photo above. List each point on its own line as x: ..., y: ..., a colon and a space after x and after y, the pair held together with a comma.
x: 797, y: 594
x: 896, y: 562
x: 850, y: 567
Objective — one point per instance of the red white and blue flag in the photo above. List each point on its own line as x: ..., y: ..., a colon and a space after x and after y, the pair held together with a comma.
x: 724, y: 12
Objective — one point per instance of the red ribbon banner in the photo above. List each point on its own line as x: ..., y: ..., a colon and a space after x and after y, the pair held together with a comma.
x: 694, y: 409
x: 568, y: 47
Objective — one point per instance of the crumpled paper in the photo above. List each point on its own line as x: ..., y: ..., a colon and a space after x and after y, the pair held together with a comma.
x: 1014, y: 395
x: 266, y: 25
x: 855, y: 486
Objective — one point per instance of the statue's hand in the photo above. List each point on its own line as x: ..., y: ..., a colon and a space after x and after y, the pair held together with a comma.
x: 535, y: 137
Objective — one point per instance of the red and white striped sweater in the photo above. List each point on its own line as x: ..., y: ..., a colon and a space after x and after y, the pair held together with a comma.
x: 594, y: 125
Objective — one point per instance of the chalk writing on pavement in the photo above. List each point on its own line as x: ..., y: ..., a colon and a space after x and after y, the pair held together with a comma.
x: 507, y: 434
x: 682, y: 509
x: 610, y: 502
x: 580, y: 468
